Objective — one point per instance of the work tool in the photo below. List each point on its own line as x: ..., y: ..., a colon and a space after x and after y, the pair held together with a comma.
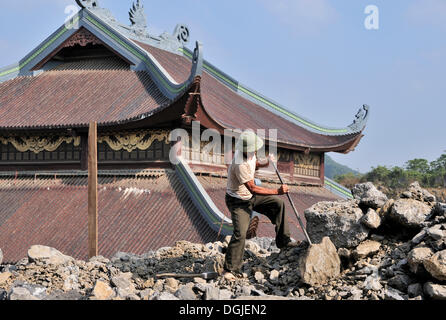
x: 292, y: 205
x: 205, y: 275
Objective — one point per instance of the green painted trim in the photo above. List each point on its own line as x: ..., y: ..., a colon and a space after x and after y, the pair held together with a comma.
x: 338, y: 189
x: 263, y: 100
x: 140, y: 56
x: 41, y: 49
x: 203, y: 205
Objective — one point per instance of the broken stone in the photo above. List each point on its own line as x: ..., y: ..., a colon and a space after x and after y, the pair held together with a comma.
x: 415, y: 290
x: 339, y: 220
x: 366, y: 248
x: 393, y: 294
x: 102, y: 291
x: 436, y: 265
x: 435, y: 291
x: 368, y: 195
x: 400, y: 282
x: 371, y: 219
x: 163, y: 296
x: 437, y: 232
x: 409, y: 213
x: 47, y: 255
x: 320, y: 263
x: 186, y: 293
x: 21, y: 293
x: 419, y: 237
x: 385, y: 210
x: 4, y: 277
x: 416, y: 258
x: 420, y: 194
x: 171, y: 285
x: 259, y: 276
x: 274, y: 275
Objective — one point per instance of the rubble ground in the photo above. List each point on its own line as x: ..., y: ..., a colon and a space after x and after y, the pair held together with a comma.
x: 391, y: 253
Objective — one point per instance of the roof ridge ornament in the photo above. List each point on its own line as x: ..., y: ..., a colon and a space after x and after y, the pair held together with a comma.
x: 182, y: 34
x: 88, y: 4
x: 138, y: 17
x: 361, y: 118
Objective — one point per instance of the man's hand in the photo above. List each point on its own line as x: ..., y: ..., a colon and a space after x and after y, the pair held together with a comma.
x: 284, y: 189
x: 272, y: 158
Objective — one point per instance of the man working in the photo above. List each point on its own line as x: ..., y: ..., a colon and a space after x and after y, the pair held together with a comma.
x: 243, y: 196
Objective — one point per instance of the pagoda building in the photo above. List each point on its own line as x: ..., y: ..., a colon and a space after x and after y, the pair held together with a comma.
x: 139, y: 88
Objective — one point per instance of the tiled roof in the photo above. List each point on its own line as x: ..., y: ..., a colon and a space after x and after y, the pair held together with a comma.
x: 76, y: 93
x: 233, y: 111
x: 136, y: 214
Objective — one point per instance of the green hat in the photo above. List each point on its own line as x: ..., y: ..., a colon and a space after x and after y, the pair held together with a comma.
x: 249, y: 142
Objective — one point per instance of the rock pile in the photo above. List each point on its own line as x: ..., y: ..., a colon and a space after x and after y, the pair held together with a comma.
x: 379, y: 249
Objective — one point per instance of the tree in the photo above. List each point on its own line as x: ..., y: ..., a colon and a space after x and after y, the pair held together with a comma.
x: 378, y: 174
x: 438, y: 171
x: 418, y: 165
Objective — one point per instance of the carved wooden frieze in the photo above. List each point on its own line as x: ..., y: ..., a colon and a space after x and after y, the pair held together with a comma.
x: 141, y: 140
x: 307, y: 164
x: 83, y: 37
x: 39, y: 144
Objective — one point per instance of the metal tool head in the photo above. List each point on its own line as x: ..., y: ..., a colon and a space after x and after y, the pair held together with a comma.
x: 209, y: 275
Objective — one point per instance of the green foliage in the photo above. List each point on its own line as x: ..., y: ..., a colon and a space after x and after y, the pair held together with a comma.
x: 428, y: 174
x: 333, y: 169
x: 431, y: 174
x: 348, y: 180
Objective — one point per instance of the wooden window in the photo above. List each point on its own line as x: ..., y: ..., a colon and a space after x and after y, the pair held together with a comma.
x: 66, y: 152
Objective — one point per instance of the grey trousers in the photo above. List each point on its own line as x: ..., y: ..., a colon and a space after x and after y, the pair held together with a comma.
x: 271, y: 206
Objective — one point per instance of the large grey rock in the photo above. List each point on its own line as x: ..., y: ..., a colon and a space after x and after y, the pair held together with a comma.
x: 415, y: 290
x: 368, y: 195
x: 320, y: 263
x: 393, y: 294
x: 339, y: 220
x: 400, y: 282
x: 102, y: 291
x: 371, y: 219
x: 211, y: 293
x: 47, y: 255
x: 1, y: 256
x: 417, y: 193
x: 437, y: 231
x: 416, y: 257
x: 27, y: 291
x: 435, y: 291
x: 185, y: 293
x: 436, y: 265
x: 410, y: 213
x: 21, y: 293
x: 123, y: 284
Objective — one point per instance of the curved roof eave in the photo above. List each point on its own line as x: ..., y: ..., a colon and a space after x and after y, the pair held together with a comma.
x: 357, y: 126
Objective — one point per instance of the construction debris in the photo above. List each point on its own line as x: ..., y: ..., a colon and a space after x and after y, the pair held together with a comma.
x: 374, y: 262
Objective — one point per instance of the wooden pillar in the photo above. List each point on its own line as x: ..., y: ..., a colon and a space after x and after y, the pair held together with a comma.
x: 92, y: 191
x: 322, y: 174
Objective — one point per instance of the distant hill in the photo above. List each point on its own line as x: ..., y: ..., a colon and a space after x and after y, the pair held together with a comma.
x: 332, y: 168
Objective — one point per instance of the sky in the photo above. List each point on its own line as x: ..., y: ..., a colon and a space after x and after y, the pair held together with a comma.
x: 319, y: 58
